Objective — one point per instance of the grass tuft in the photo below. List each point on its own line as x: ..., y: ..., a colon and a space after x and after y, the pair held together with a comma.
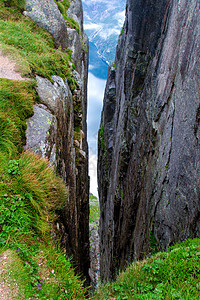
x: 31, y: 197
x: 63, y: 6
x: 16, y: 104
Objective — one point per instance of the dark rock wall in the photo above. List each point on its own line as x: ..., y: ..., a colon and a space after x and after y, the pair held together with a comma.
x: 149, y: 152
x: 58, y: 128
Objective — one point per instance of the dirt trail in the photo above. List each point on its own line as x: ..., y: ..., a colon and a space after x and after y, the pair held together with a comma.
x: 8, y: 68
x: 5, y: 292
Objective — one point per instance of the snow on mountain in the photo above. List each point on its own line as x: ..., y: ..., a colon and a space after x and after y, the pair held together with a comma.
x: 103, y: 20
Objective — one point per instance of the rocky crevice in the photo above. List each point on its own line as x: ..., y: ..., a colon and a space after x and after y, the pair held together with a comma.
x: 58, y: 127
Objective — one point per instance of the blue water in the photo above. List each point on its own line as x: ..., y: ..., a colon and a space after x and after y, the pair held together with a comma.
x: 99, y: 67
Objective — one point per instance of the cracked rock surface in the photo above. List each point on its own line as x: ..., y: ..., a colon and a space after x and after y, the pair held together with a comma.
x: 58, y: 129
x: 46, y: 14
x: 149, y: 152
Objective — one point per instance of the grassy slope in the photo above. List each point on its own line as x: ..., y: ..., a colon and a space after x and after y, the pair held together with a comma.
x: 174, y: 274
x: 31, y: 195
x: 32, y: 47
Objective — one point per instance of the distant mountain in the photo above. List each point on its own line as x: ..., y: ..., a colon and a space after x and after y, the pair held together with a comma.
x: 103, y: 20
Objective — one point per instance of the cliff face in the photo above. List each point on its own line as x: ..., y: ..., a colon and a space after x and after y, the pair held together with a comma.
x: 58, y: 128
x: 149, y: 164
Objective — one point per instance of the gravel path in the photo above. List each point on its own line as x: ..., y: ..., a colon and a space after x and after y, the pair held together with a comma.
x: 5, y: 292
x: 7, y: 68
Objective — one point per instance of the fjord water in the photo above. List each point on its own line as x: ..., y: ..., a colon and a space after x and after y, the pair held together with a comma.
x: 96, y: 84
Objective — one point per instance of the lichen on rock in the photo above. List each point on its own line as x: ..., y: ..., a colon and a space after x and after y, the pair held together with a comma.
x: 46, y: 14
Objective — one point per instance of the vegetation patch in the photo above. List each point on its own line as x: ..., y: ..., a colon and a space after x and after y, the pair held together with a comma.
x: 122, y: 31
x: 31, y: 196
x: 33, y: 47
x: 16, y: 105
x: 173, y: 274
x: 72, y: 24
x: 63, y: 6
x: 101, y: 136
x: 94, y: 210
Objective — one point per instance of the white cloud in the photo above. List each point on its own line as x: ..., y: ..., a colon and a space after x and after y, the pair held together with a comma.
x: 120, y: 17
x: 91, y: 67
x: 96, y: 88
x: 105, y: 33
x: 92, y: 26
x: 93, y: 174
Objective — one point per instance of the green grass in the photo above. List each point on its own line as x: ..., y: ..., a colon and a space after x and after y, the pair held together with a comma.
x: 174, y: 274
x: 63, y: 7
x: 32, y: 47
x: 31, y: 194
x: 31, y: 198
x: 40, y: 272
x: 94, y: 210
x: 16, y: 105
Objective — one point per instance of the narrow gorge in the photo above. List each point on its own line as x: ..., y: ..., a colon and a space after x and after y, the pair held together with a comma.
x: 148, y: 141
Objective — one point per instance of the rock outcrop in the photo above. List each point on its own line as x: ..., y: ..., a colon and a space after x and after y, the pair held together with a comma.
x: 149, y: 151
x: 46, y: 14
x: 58, y: 130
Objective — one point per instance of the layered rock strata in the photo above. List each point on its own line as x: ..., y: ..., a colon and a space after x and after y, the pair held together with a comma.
x: 58, y: 128
x: 149, y: 151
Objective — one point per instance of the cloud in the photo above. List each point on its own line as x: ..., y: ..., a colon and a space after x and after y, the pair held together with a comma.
x: 91, y: 67
x: 96, y: 87
x: 92, y: 26
x: 107, y: 32
x: 93, y: 174
x: 98, y: 1
x: 120, y: 17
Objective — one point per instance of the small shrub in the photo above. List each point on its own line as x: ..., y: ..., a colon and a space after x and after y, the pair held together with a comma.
x: 114, y: 66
